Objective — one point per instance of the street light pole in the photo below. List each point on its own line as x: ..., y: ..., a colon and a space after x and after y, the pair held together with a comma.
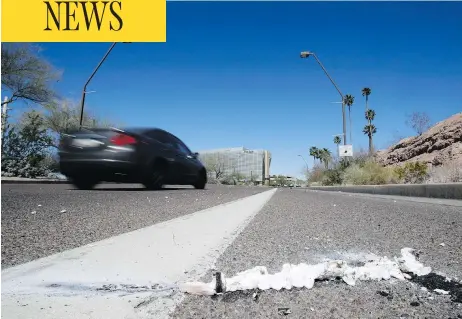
x: 305, y: 163
x: 305, y: 55
x: 82, y: 106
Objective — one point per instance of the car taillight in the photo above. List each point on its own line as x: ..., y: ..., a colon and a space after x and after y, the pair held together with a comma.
x: 122, y: 140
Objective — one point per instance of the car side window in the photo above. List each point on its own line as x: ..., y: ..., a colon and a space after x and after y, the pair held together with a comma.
x: 155, y: 135
x: 168, y: 140
x: 182, y: 148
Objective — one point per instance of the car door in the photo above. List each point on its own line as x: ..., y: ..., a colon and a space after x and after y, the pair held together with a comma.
x: 168, y: 151
x: 187, y: 160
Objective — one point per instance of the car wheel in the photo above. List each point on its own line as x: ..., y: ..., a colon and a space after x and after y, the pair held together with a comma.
x: 84, y: 183
x: 201, y: 181
x: 155, y: 178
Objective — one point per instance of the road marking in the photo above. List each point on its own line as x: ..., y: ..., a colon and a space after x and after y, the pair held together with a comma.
x: 122, y: 276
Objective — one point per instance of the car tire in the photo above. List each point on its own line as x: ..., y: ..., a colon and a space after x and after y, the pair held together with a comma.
x: 84, y: 183
x: 156, y: 176
x: 201, y: 181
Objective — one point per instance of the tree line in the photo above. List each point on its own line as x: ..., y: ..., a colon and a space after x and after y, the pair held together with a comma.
x: 363, y: 168
x: 29, y: 143
x: 418, y: 121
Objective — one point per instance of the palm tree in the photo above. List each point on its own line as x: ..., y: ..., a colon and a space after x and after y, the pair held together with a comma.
x: 366, y: 92
x: 370, y: 130
x: 325, y: 156
x: 314, y: 152
x: 348, y: 100
x: 337, y: 141
x: 370, y: 115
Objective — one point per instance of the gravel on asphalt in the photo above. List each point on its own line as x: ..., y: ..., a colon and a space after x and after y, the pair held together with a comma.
x: 39, y: 220
x: 298, y: 226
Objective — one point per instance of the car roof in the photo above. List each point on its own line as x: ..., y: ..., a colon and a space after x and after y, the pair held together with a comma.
x: 143, y: 130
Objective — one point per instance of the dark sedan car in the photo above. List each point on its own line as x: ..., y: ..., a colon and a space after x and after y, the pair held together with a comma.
x: 150, y: 156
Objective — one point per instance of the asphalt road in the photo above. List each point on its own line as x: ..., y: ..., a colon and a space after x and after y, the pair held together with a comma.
x: 298, y: 226
x: 94, y: 215
x: 294, y: 226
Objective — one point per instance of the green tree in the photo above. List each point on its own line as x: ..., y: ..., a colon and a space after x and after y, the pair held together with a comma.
x: 63, y: 116
x: 325, y: 156
x: 370, y: 130
x: 281, y: 180
x: 25, y: 75
x: 253, y: 179
x: 349, y: 100
x: 366, y: 92
x: 337, y: 141
x: 314, y: 152
x: 412, y: 172
x: 234, y: 178
x: 26, y: 147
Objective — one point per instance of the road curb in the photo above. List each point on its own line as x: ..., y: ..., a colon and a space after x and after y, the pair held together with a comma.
x: 446, y: 191
x: 34, y: 181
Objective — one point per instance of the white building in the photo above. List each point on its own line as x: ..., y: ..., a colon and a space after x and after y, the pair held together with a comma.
x: 251, y: 164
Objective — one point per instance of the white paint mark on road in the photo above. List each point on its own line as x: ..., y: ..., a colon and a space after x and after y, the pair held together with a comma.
x: 119, y: 277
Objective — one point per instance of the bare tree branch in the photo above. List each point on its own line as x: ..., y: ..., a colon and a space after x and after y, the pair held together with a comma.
x: 26, y: 75
x: 216, y: 165
x: 419, y: 122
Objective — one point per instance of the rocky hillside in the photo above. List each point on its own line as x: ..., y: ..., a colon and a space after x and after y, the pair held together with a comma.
x: 440, y: 144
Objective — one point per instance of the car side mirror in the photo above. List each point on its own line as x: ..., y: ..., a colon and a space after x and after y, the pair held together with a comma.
x: 196, y: 155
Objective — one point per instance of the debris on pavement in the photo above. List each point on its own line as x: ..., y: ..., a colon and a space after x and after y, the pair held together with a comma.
x: 33, y: 212
x: 442, y: 244
x: 441, y: 284
x: 63, y: 211
x: 284, y: 311
x: 255, y: 296
x: 304, y: 275
x: 39, y: 205
x: 441, y: 291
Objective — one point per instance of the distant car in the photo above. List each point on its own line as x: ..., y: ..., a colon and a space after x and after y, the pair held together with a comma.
x: 150, y: 156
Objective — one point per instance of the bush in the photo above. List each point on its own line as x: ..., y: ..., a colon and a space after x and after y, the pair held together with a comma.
x: 450, y: 172
x: 24, y: 151
x: 412, y: 172
x: 332, y: 177
x: 316, y: 174
x: 369, y: 173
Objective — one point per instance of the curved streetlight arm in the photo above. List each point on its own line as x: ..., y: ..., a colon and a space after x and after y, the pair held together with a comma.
x: 305, y: 162
x: 325, y: 71
x: 305, y: 55
x: 89, y: 79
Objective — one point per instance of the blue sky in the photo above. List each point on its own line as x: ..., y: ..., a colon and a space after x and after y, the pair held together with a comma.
x: 230, y: 73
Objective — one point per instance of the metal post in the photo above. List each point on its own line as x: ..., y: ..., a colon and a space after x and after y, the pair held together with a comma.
x: 306, y: 164
x: 82, y: 106
x: 4, y: 118
x: 307, y: 54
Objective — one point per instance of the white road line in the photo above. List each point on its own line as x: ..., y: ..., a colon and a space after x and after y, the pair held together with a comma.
x: 69, y: 284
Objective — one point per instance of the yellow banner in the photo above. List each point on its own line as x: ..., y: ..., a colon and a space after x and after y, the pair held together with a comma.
x: 84, y: 21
